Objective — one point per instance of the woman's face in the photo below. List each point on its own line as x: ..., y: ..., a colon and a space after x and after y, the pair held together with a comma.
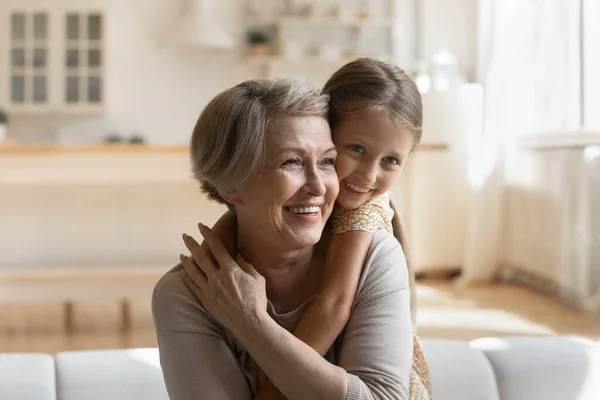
x: 291, y: 197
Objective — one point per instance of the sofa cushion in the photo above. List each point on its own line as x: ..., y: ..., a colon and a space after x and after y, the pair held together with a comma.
x: 549, y: 368
x: 27, y: 376
x: 110, y: 374
x: 458, y: 371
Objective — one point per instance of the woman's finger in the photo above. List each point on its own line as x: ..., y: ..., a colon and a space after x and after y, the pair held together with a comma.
x: 246, y: 266
x: 217, y: 247
x: 202, y: 259
x: 192, y: 270
x: 195, y: 289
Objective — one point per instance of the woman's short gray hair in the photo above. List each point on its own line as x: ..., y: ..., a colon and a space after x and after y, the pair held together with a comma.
x: 228, y: 143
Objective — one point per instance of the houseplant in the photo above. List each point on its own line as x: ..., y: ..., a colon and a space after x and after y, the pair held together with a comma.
x: 258, y: 40
x: 3, y: 125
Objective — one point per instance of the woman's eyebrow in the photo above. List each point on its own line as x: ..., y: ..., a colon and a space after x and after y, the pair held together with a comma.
x: 292, y: 150
x: 301, y: 151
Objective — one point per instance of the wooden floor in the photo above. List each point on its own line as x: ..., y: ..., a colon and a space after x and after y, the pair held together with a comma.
x: 444, y: 311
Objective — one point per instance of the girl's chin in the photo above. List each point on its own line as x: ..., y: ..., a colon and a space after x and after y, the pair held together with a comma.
x: 348, y: 204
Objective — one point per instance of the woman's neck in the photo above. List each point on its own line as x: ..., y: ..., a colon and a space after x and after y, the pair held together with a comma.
x: 291, y: 275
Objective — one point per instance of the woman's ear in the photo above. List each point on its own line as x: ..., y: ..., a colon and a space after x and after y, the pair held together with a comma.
x: 234, y: 198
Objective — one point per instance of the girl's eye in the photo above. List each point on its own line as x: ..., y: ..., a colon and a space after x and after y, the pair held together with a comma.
x: 357, y: 148
x: 391, y: 160
x: 291, y: 161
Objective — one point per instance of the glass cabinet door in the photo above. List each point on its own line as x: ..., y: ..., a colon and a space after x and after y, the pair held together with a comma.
x: 28, y: 55
x: 83, y: 57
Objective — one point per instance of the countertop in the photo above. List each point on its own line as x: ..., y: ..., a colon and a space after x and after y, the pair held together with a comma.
x: 15, y: 149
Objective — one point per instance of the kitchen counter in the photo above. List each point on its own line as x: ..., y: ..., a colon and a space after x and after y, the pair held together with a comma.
x: 13, y: 149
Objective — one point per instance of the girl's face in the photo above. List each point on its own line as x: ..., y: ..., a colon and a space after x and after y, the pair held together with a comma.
x: 372, y: 151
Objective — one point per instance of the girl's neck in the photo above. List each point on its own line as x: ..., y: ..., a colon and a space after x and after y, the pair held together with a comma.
x: 291, y: 275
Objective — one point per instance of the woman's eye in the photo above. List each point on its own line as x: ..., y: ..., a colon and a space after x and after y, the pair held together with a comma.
x: 391, y: 160
x: 329, y: 161
x: 357, y: 148
x: 291, y: 161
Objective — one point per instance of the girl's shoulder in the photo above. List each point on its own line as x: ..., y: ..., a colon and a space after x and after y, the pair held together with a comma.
x: 372, y: 216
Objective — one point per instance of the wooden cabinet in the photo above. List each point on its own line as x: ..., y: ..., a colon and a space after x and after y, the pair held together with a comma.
x: 53, y: 58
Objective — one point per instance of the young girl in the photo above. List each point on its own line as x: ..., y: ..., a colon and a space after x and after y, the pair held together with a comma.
x: 375, y: 115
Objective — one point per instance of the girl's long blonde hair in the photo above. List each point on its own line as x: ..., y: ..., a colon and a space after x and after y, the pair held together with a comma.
x: 368, y: 84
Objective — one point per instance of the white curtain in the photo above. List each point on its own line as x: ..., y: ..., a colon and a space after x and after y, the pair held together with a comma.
x: 529, y: 65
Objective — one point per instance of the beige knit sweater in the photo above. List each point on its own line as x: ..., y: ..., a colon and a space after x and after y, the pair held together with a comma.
x: 202, y: 360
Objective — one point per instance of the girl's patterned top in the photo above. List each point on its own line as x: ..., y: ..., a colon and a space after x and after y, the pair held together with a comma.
x: 373, y: 215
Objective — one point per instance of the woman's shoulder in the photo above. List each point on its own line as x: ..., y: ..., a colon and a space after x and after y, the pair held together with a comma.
x: 175, y: 308
x: 385, y: 266
x: 170, y: 288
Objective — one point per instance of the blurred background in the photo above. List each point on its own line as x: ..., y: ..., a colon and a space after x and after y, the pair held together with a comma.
x: 98, y: 100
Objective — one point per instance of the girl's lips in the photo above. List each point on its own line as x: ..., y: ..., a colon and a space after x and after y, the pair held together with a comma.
x: 356, y: 189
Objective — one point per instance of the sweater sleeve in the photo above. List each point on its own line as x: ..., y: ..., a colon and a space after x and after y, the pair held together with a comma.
x: 376, y: 348
x: 373, y: 215
x: 196, y: 359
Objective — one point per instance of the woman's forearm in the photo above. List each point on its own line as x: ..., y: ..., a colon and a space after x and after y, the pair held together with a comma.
x: 297, y: 370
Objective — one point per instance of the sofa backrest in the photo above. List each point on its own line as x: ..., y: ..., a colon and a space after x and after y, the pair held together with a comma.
x: 27, y: 377
x: 110, y: 374
x: 511, y: 368
x: 549, y: 368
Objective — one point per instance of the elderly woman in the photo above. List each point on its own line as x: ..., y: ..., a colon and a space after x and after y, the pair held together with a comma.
x: 264, y: 148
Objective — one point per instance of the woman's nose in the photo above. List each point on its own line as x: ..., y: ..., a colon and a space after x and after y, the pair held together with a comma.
x: 314, y: 183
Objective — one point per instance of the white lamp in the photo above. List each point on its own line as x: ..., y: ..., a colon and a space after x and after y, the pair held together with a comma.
x: 200, y: 27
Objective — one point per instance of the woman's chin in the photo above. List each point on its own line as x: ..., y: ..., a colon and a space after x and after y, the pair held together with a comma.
x: 307, y: 237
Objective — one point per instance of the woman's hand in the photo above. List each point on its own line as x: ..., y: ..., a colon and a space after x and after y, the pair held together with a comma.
x: 232, y: 292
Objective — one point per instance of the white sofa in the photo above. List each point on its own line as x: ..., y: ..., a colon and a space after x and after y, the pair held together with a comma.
x: 510, y: 368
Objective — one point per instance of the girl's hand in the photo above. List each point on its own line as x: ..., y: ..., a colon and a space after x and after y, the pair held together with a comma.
x: 232, y: 292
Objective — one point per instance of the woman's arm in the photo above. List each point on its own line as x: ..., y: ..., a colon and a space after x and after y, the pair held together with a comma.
x: 377, y: 344
x: 376, y: 352
x: 323, y: 321
x: 197, y: 360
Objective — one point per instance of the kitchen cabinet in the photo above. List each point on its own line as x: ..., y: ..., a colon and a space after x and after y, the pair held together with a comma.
x: 53, y: 58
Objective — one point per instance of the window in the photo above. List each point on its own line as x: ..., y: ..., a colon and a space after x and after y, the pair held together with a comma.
x: 591, y: 64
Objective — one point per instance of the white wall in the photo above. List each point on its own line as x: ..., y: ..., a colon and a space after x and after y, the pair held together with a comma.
x: 157, y: 88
